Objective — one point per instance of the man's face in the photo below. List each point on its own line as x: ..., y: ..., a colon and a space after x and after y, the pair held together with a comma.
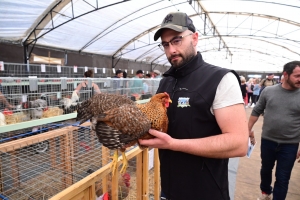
x: 120, y: 75
x: 140, y: 75
x: 270, y: 77
x: 180, y: 55
x: 293, y: 80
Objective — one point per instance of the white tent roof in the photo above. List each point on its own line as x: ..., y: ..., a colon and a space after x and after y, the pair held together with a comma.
x: 253, y: 35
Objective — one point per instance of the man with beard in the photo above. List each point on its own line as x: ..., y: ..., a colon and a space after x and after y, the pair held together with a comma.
x: 280, y: 131
x: 207, y: 119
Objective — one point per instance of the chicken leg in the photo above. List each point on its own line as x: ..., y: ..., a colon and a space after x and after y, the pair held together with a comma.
x: 125, y: 163
x: 114, y: 163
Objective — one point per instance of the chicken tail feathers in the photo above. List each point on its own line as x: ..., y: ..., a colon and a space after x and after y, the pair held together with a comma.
x: 111, y: 137
x: 83, y: 113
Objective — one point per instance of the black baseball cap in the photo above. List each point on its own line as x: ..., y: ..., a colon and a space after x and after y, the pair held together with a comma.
x: 177, y: 21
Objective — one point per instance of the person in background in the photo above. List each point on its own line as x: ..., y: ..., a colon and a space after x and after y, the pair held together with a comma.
x: 157, y: 77
x: 117, y: 83
x: 250, y: 87
x: 207, y: 119
x: 269, y: 81
x: 124, y: 74
x: 244, y: 89
x: 156, y: 74
x: 84, y: 90
x: 4, y: 103
x: 280, y: 131
x: 256, y: 90
x: 147, y: 84
x: 136, y: 85
x: 125, y: 90
x: 119, y: 74
x: 281, y: 79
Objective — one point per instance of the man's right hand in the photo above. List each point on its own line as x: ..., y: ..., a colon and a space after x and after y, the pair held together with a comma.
x: 252, y: 138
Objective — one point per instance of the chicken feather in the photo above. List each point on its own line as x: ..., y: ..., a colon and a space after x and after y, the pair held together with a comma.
x: 121, y: 126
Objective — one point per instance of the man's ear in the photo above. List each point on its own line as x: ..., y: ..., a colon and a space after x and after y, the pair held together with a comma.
x: 195, y: 39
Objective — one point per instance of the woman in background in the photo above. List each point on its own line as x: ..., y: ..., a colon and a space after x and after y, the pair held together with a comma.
x: 250, y: 87
x: 83, y: 88
x: 243, y: 88
x: 256, y: 90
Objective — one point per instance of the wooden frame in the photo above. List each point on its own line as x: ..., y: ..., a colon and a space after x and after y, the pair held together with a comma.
x: 85, y: 188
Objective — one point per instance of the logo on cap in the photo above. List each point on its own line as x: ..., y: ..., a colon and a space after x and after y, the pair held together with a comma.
x: 168, y: 18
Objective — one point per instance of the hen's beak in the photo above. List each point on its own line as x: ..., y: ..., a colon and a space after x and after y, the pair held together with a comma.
x: 170, y: 100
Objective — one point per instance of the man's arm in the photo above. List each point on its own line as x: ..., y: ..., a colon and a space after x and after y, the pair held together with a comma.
x: 233, y: 141
x: 252, y: 120
x: 4, y: 101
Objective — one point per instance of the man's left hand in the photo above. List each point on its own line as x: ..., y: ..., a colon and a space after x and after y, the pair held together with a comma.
x: 161, y: 140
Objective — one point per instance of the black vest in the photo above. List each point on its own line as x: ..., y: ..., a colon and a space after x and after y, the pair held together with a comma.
x: 192, y: 89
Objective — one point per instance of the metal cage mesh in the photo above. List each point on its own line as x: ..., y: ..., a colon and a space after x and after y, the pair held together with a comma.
x: 70, y: 154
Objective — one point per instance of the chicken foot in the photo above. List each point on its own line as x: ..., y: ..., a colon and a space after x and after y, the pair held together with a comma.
x: 125, y: 163
x: 114, y: 163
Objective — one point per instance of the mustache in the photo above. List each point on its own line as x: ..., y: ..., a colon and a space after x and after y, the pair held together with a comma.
x: 173, y: 56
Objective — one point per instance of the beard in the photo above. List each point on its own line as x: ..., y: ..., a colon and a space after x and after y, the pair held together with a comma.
x: 185, y: 58
x: 292, y: 84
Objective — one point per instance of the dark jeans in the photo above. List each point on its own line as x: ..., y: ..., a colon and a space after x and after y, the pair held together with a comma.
x: 250, y: 96
x: 163, y: 196
x: 254, y: 99
x: 285, y: 156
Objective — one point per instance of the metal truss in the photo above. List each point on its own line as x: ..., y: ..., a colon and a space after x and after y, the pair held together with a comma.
x: 99, y: 35
x: 32, y: 38
x: 209, y: 29
x: 208, y: 23
x: 251, y: 50
x: 165, y: 62
x: 257, y: 39
x: 118, y: 54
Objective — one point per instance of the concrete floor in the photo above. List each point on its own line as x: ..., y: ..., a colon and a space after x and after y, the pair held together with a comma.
x: 248, y: 174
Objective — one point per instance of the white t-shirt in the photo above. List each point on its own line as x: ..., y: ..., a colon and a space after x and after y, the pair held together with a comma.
x: 228, y: 93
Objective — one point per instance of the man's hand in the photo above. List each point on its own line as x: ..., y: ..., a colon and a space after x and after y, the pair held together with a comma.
x: 298, y: 156
x: 161, y: 140
x: 252, y: 138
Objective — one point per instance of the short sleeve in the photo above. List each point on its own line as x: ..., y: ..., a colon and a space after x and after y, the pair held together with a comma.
x: 228, y: 92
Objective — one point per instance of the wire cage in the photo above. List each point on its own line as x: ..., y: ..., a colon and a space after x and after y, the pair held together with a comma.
x: 74, y: 153
x: 36, y: 98
x: 51, y: 71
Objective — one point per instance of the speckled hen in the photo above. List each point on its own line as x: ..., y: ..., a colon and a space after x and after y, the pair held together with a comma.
x: 119, y: 122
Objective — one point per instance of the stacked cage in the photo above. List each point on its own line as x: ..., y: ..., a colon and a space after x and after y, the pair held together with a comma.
x: 50, y: 71
x: 49, y: 154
